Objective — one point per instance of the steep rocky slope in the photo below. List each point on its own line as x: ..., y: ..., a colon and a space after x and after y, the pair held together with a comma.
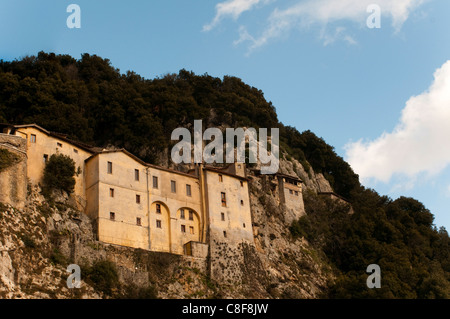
x: 38, y: 242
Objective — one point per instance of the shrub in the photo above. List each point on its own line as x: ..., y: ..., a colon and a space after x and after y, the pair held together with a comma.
x: 28, y: 241
x: 57, y: 257
x: 59, y: 174
x: 103, y: 275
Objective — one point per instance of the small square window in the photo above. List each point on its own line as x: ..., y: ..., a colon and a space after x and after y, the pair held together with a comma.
x: 296, y: 193
x: 291, y: 192
x: 138, y: 221
x: 183, y: 228
x: 45, y: 158
x: 158, y: 224
x: 59, y: 145
x: 75, y: 151
x: 33, y: 138
x: 112, y: 216
x: 138, y: 199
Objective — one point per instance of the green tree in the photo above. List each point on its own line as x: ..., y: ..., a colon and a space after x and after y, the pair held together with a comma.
x: 59, y: 174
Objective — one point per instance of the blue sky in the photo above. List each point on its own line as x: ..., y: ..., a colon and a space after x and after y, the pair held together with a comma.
x: 317, y: 61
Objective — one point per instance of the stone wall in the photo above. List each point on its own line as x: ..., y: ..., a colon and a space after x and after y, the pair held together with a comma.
x: 13, y: 179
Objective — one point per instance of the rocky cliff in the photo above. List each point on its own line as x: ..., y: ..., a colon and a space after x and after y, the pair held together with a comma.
x: 40, y: 240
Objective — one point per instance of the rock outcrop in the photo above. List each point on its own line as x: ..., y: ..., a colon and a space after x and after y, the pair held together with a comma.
x: 40, y: 240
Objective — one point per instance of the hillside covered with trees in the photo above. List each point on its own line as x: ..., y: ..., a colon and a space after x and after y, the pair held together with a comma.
x: 92, y: 102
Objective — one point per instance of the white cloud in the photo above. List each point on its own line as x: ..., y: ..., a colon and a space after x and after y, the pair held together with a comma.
x: 419, y: 144
x: 232, y: 8
x: 306, y: 13
x: 339, y: 34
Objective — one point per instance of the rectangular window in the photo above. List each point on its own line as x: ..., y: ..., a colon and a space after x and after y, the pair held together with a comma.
x: 75, y: 151
x: 181, y: 213
x: 138, y: 199
x: 111, y: 192
x: 191, y: 215
x: 138, y: 221
x: 191, y: 230
x: 158, y: 223
x: 188, y: 190
x: 155, y: 182
x: 222, y: 216
x: 224, y: 200
x: 220, y: 178
x: 183, y: 228
x: 109, y: 167
x: 173, y: 186
x: 242, y: 203
x: 112, y: 216
x: 33, y: 138
x: 136, y: 175
x: 242, y: 184
x: 45, y: 158
x: 296, y: 193
x: 158, y: 208
x: 59, y: 145
x: 225, y: 234
x: 291, y: 192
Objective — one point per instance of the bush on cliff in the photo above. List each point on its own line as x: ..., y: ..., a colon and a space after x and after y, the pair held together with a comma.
x: 59, y: 174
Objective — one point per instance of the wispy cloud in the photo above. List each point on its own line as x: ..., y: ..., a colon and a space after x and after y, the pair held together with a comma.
x: 231, y: 8
x: 419, y: 144
x: 306, y: 13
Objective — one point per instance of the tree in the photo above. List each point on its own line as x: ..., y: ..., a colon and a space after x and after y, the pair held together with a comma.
x: 59, y: 174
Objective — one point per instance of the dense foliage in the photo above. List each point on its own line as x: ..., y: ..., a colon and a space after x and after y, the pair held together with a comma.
x: 59, y: 174
x: 414, y: 257
x: 93, y: 102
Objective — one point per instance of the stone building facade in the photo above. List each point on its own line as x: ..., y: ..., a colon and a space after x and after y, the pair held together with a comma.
x: 139, y: 205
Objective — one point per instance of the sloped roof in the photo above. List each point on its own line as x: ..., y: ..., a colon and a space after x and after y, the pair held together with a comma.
x: 62, y: 137
x: 137, y: 159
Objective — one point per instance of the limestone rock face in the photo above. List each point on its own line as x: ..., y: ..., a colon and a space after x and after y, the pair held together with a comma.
x: 39, y: 241
x: 311, y: 180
